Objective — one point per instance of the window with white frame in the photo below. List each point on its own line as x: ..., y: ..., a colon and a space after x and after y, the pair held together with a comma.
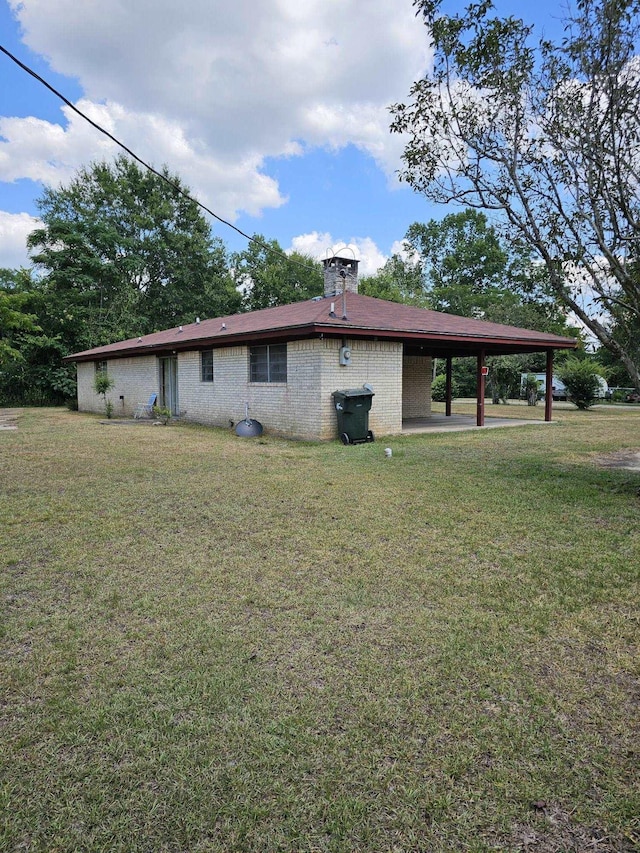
x: 268, y: 363
x: 206, y: 365
x: 101, y: 366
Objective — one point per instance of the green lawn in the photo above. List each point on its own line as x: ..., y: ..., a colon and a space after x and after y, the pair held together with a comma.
x: 220, y: 644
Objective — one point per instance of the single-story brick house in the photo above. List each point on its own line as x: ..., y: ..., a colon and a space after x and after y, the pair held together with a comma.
x: 285, y: 362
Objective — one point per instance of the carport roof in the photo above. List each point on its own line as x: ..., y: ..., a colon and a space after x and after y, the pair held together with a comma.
x: 431, y: 332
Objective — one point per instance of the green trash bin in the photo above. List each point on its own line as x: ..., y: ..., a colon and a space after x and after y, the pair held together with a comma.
x: 352, y: 408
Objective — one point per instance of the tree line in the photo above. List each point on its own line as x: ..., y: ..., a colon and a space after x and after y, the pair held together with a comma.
x: 122, y: 253
x: 541, y: 136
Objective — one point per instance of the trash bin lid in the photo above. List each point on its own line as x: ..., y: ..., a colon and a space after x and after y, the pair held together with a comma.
x: 354, y: 392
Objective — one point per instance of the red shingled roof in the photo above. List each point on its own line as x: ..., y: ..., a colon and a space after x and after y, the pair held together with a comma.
x: 435, y: 332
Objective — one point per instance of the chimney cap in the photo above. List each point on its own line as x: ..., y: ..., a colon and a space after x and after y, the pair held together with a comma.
x: 344, y: 252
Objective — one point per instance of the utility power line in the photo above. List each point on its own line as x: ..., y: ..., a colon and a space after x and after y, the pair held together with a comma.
x: 142, y: 162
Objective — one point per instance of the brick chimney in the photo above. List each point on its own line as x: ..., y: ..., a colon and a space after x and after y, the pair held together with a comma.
x: 340, y: 273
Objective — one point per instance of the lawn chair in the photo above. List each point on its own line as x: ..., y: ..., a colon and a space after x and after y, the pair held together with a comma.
x: 145, y: 410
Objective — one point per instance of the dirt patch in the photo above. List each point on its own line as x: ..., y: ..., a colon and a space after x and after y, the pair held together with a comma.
x: 627, y: 459
x: 552, y: 830
x: 9, y: 418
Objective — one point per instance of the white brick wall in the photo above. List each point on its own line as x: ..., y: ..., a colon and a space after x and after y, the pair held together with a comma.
x: 378, y: 363
x: 135, y: 379
x: 300, y: 408
x: 417, y: 373
x: 285, y: 408
x: 303, y: 407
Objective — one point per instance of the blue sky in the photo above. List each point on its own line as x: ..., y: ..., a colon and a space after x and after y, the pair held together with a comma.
x: 275, y: 114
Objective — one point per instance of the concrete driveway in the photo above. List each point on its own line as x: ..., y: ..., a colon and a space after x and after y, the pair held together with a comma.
x: 458, y: 423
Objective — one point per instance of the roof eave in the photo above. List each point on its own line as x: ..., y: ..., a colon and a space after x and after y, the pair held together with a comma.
x: 225, y: 338
x: 335, y: 329
x: 545, y: 342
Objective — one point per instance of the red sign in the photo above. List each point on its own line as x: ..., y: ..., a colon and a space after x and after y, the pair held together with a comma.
x: 484, y: 371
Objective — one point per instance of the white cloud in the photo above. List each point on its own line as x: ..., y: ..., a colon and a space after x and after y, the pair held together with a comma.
x: 315, y: 244
x: 14, y: 229
x: 213, y: 88
x: 404, y: 251
x: 43, y: 151
x: 319, y: 245
x: 362, y: 125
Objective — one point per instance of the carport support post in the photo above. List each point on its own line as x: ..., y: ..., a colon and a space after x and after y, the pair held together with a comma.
x: 480, y: 390
x: 548, y: 394
x: 447, y: 396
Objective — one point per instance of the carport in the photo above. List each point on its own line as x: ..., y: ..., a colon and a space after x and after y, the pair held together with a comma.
x: 479, y: 349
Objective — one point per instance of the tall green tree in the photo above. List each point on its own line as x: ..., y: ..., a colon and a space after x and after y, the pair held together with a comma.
x: 470, y: 270
x: 625, y: 327
x: 31, y: 371
x: 463, y: 263
x: 14, y: 319
x: 398, y: 280
x: 545, y: 135
x: 268, y: 278
x: 123, y: 253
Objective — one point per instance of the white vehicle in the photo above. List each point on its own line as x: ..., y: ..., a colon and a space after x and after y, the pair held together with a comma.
x: 558, y: 389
